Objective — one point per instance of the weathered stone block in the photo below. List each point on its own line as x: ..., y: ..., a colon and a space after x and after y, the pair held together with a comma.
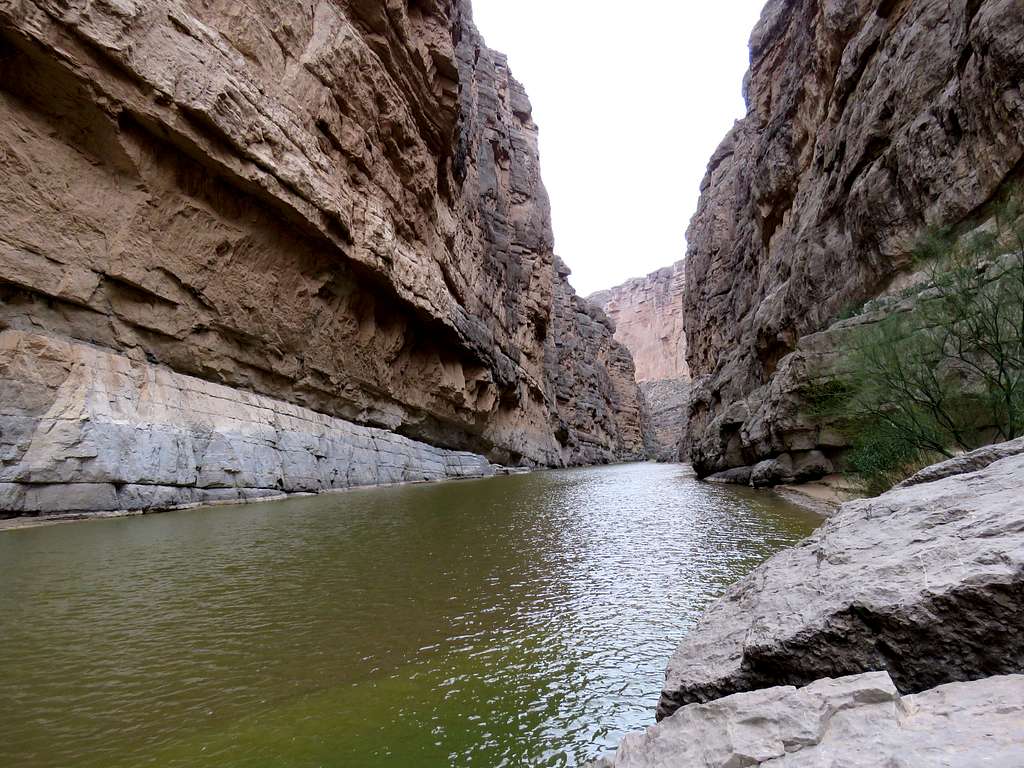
x: 926, y: 582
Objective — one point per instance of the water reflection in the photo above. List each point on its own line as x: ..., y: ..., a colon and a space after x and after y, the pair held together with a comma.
x: 521, y: 620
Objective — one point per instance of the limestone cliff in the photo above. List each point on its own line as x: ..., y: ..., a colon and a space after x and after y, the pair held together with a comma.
x: 648, y: 317
x: 867, y: 120
x: 647, y: 314
x: 336, y: 205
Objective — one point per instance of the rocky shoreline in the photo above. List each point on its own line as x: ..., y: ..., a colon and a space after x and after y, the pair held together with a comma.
x: 34, y: 521
x: 95, y: 432
x: 899, y: 624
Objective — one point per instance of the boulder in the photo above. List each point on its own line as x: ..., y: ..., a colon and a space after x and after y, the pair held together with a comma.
x: 926, y: 582
x: 812, y: 465
x: 856, y: 721
x: 773, y: 472
x: 737, y: 476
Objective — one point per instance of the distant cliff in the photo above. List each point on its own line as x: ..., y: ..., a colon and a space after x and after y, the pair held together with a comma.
x: 648, y: 316
x: 337, y: 206
x: 867, y: 120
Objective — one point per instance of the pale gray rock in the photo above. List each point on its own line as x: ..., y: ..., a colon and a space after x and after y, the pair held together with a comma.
x: 969, y: 462
x: 110, y: 433
x: 859, y: 721
x: 926, y: 582
x: 666, y: 402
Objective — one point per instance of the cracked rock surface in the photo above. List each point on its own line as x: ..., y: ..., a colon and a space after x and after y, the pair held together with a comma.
x: 94, y: 431
x: 926, y: 582
x: 867, y: 120
x: 860, y: 721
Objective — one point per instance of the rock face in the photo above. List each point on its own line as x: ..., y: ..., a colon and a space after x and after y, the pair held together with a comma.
x: 336, y: 205
x: 647, y: 314
x: 101, y: 432
x: 926, y: 582
x: 969, y: 462
x: 857, y: 721
x: 867, y: 120
x: 648, y: 317
x: 666, y: 403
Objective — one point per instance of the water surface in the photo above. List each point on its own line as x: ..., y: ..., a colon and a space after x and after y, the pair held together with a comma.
x: 516, y: 621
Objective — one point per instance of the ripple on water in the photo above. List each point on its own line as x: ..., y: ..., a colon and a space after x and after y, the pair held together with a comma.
x: 520, y: 620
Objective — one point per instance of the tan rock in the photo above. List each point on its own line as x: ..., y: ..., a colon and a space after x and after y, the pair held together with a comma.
x: 647, y: 314
x: 648, y: 317
x: 333, y: 204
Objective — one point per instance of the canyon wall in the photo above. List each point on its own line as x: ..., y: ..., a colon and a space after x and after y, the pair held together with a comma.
x: 334, y: 205
x: 647, y: 314
x: 868, y: 120
x: 648, y: 317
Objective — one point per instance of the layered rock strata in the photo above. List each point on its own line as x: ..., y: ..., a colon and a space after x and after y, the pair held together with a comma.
x: 95, y: 431
x: 925, y: 582
x: 336, y: 205
x: 857, y: 721
x: 867, y: 121
x: 647, y: 314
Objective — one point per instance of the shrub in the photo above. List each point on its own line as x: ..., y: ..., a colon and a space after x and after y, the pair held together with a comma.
x: 948, y: 376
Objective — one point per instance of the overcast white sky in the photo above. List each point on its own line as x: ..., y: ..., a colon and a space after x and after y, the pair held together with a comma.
x: 631, y: 100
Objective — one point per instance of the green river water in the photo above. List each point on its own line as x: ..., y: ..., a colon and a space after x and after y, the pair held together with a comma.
x: 517, y: 621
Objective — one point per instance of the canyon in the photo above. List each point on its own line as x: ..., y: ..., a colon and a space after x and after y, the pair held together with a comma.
x: 250, y: 252
x: 893, y: 634
x: 197, y: 194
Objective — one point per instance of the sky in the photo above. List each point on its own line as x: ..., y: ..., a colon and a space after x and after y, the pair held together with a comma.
x: 631, y: 99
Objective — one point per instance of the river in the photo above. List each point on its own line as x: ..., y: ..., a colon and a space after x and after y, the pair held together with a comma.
x: 514, y: 621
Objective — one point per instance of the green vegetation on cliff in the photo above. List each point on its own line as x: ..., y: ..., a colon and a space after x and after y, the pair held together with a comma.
x: 944, y: 373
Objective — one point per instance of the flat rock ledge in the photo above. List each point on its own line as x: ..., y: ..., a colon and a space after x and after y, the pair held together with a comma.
x: 855, y: 721
x: 925, y: 582
x: 86, y: 431
x: 969, y: 462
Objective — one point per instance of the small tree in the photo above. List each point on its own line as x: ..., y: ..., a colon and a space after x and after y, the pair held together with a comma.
x: 948, y: 375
